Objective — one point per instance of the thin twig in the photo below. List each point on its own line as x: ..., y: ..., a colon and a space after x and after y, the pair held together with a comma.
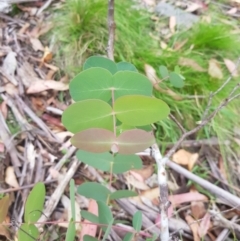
x: 177, y: 123
x: 111, y: 30
x: 205, y: 121
x: 54, y: 199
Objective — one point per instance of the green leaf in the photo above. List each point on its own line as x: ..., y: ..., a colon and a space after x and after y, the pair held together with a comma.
x: 128, y: 237
x: 104, y: 213
x: 139, y: 110
x: 122, y: 194
x: 34, y: 203
x: 121, y: 66
x: 94, y: 191
x: 98, y: 83
x: 137, y: 221
x: 94, y: 140
x: 88, y: 114
x: 176, y: 80
x: 89, y: 238
x: 93, y: 83
x: 163, y: 71
x: 89, y: 216
x: 99, y: 61
x: 133, y: 141
x: 108, y: 230
x: 131, y: 83
x: 28, y: 232
x: 72, y: 199
x: 123, y: 163
x: 4, y: 204
x: 107, y: 162
x: 71, y: 232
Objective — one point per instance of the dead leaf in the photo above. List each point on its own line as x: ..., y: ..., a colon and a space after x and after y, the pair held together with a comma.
x: 2, y: 147
x: 145, y: 173
x: 179, y: 45
x: 87, y: 226
x: 152, y: 76
x: 232, y: 11
x: 4, y: 109
x: 11, y: 89
x: 42, y: 85
x: 194, y: 227
x: 24, y: 28
x: 4, y: 230
x: 187, y: 197
x: 36, y: 44
x: 133, y: 181
x: 163, y: 45
x: 198, y: 209
x: 4, y: 205
x: 231, y: 66
x: 10, y: 177
x: 205, y: 225
x: 193, y: 7
x: 172, y: 24
x: 9, y: 67
x: 186, y: 158
x: 190, y: 63
x: 47, y: 56
x: 214, y: 69
x: 27, y: 74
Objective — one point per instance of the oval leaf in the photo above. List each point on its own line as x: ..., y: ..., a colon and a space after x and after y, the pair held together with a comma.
x: 121, y: 66
x: 89, y: 216
x: 137, y: 221
x: 28, y: 232
x: 94, y: 140
x: 94, y: 191
x: 122, y: 194
x: 104, y: 213
x: 34, y: 203
x: 106, y: 162
x: 133, y: 141
x: 99, y: 61
x: 93, y: 83
x: 163, y: 71
x: 139, y: 110
x: 176, y: 80
x: 131, y: 83
x: 88, y: 114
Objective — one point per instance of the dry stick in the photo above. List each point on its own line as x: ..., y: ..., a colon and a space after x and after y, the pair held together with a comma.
x: 54, y: 199
x: 111, y: 30
x: 225, y: 232
x: 36, y: 119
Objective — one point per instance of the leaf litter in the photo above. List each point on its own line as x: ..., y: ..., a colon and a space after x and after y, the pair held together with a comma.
x: 31, y: 88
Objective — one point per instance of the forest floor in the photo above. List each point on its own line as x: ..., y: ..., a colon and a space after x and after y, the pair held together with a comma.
x: 44, y: 44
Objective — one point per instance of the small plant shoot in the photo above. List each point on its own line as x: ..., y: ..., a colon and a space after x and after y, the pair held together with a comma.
x: 111, y: 121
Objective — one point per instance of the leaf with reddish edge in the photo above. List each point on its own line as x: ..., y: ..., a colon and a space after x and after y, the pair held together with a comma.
x: 133, y: 141
x: 94, y: 140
